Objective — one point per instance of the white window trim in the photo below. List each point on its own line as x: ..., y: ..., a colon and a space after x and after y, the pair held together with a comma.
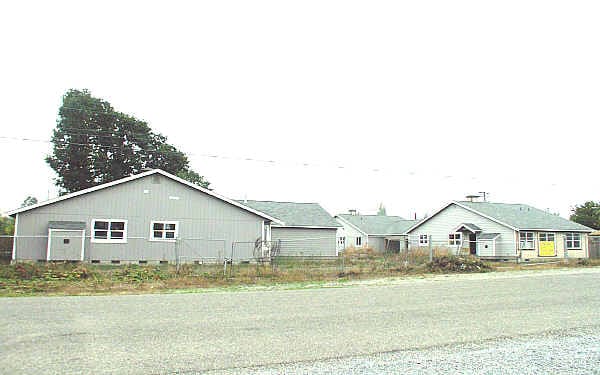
x: 421, y: 242
x: 460, y: 239
x: 573, y: 241
x: 533, y: 237
x: 359, y: 238
x: 93, y: 238
x: 153, y: 239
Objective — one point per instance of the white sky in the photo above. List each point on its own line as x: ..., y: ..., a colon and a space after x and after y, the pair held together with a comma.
x: 445, y: 98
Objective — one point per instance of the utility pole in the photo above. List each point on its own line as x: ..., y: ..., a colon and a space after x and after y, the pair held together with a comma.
x: 485, y: 194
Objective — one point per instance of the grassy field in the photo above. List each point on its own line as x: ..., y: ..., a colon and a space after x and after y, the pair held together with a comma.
x: 76, y: 279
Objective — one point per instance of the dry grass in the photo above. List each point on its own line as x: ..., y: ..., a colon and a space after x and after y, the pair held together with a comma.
x: 79, y: 279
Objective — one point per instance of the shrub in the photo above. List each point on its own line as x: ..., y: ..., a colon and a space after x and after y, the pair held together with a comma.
x: 451, y: 263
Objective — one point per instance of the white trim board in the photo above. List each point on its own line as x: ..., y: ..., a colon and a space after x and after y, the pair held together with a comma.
x: 135, y: 177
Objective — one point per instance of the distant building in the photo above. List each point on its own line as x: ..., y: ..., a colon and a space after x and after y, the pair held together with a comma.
x: 379, y: 232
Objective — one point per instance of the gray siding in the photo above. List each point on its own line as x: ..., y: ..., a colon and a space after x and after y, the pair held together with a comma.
x: 305, y: 241
x: 377, y: 243
x: 442, y: 224
x: 207, y: 225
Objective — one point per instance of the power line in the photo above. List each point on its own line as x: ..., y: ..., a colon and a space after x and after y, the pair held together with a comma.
x: 212, y: 156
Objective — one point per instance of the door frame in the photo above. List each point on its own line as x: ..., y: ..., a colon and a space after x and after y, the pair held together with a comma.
x: 50, y: 230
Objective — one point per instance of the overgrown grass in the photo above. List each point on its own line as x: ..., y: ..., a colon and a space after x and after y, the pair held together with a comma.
x: 76, y: 279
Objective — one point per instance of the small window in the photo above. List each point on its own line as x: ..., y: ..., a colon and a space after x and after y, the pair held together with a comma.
x: 109, y: 230
x: 573, y: 241
x: 526, y: 241
x: 423, y: 240
x: 358, y: 241
x: 163, y: 230
x: 546, y: 237
x: 66, y: 241
x: 454, y: 239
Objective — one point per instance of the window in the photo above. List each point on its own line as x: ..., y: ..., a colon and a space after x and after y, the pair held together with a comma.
x: 573, y: 241
x: 546, y: 237
x: 358, y: 241
x: 454, y: 239
x: 163, y: 230
x: 423, y: 240
x: 341, y: 241
x: 526, y: 241
x: 109, y: 230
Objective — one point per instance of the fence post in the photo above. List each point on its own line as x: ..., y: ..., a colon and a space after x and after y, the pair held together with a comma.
x: 176, y: 255
x: 430, y: 248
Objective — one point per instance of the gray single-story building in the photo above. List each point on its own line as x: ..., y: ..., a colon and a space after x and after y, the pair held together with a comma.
x: 152, y: 216
x: 379, y: 232
x: 304, y: 229
x: 501, y: 230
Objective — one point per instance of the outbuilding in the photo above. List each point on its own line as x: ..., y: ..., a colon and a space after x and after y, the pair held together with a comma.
x: 304, y: 229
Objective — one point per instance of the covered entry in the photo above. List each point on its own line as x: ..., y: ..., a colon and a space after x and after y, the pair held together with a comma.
x: 66, y: 240
x: 469, y: 233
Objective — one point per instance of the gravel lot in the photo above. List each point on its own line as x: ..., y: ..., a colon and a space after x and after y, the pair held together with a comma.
x: 191, y: 333
x: 575, y: 351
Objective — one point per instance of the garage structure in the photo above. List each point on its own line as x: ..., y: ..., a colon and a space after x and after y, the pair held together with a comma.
x: 304, y: 229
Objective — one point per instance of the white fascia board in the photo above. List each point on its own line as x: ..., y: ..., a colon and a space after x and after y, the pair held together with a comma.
x: 484, y: 215
x: 461, y: 206
x: 135, y: 177
x: 556, y: 230
x: 351, y: 225
x: 303, y: 226
x: 415, y: 226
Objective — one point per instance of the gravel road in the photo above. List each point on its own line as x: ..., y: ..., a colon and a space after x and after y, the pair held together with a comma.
x: 575, y: 351
x: 191, y: 333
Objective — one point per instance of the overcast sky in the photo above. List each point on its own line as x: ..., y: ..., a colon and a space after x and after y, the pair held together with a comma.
x: 421, y: 102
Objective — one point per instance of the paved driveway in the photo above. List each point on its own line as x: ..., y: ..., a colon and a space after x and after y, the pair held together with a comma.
x: 187, y: 333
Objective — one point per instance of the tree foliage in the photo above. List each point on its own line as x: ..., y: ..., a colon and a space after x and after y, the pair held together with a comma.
x: 94, y: 144
x: 7, y: 226
x: 587, y: 214
x: 29, y: 201
x: 381, y: 210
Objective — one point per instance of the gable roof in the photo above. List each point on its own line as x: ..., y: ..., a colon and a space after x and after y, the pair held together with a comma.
x: 294, y: 214
x: 516, y: 216
x: 378, y: 224
x: 138, y: 176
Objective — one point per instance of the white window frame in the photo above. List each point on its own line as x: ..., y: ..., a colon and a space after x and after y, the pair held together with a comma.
x: 546, y: 235
x: 523, y: 242
x: 423, y: 240
x: 163, y: 239
x: 573, y: 240
x: 358, y: 241
x: 108, y: 238
x: 455, y: 239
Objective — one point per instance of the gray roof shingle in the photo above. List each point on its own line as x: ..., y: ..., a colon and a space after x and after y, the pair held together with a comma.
x: 294, y: 214
x: 522, y: 216
x: 379, y: 224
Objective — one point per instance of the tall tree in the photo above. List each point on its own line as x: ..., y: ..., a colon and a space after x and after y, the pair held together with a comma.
x: 29, y: 201
x: 381, y: 210
x: 587, y: 214
x: 94, y: 144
